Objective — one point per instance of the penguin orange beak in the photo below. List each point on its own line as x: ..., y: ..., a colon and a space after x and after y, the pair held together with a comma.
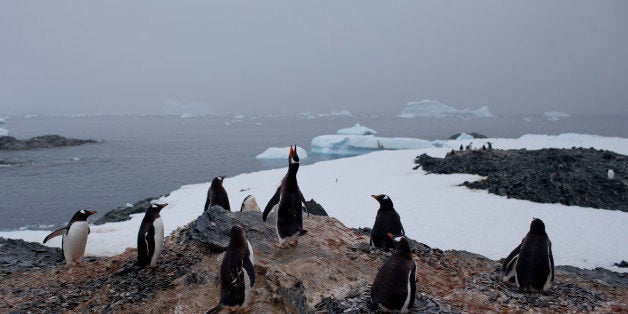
x: 375, y: 197
x: 291, y: 151
x: 91, y: 213
x: 391, y: 236
x: 164, y: 205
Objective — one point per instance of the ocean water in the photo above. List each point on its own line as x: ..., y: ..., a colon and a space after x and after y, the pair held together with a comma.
x: 148, y: 156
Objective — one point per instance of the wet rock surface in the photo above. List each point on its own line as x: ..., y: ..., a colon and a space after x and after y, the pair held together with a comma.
x: 44, y: 141
x: 576, y: 176
x: 19, y: 255
x: 330, y: 270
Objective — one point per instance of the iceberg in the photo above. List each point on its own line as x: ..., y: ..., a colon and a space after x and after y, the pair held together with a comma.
x: 337, y: 144
x: 1, y: 120
x: 343, y: 112
x: 555, y: 115
x: 357, y: 129
x: 4, y: 132
x: 464, y: 136
x: 280, y: 153
x: 435, y: 109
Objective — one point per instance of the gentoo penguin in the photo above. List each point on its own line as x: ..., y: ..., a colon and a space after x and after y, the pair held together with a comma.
x: 290, y: 201
x: 461, y: 148
x: 483, y: 147
x: 469, y: 146
x: 490, y: 145
x: 74, y: 237
x: 531, y: 263
x: 249, y: 204
x: 394, y: 287
x: 150, y: 238
x: 217, y: 195
x: 386, y: 221
x: 237, y: 275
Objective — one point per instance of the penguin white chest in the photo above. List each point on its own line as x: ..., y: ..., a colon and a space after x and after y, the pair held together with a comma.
x: 74, y: 242
x: 159, y: 240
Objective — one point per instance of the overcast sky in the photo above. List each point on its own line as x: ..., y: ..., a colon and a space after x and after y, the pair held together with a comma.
x: 274, y: 56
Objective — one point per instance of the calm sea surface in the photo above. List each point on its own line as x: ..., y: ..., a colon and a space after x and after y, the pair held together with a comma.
x: 152, y: 155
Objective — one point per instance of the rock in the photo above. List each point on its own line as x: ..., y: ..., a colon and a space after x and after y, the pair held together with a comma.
x: 44, y: 141
x: 622, y: 264
x: 123, y: 213
x: 18, y: 255
x: 574, y: 176
x: 315, y: 208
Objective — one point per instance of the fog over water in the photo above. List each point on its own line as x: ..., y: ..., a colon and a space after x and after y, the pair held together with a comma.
x: 519, y: 57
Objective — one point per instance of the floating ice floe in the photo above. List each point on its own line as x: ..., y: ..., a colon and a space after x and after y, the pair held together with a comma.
x: 4, y: 132
x: 435, y: 109
x: 280, y: 153
x: 357, y: 129
x: 555, y: 115
x: 361, y: 144
x: 343, y: 112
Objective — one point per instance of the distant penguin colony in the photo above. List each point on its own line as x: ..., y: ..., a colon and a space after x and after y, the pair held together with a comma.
x: 217, y: 195
x: 290, y: 202
x: 531, y: 264
x: 150, y: 238
x: 387, y: 221
x: 237, y: 275
x: 394, y: 287
x: 74, y: 237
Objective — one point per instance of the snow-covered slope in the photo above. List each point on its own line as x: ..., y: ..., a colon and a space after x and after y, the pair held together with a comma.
x: 433, y: 208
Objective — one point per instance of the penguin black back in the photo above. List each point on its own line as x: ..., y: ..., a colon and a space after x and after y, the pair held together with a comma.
x: 217, y: 195
x: 394, y: 287
x: 237, y: 274
x: 150, y: 240
x: 535, y: 263
x: 386, y: 221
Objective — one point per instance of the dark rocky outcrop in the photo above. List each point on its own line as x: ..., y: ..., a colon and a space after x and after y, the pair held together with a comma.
x: 574, y: 176
x: 44, y: 141
x: 315, y: 208
x: 329, y: 271
x: 123, y: 213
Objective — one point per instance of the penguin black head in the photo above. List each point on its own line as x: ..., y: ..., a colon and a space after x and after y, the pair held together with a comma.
x: 384, y: 201
x: 237, y: 237
x: 294, y: 157
x: 401, y: 243
x: 156, y: 208
x: 217, y: 181
x: 537, y: 226
x: 82, y: 215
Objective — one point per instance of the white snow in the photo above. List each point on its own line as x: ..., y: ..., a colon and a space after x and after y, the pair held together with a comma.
x: 435, y: 109
x: 555, y: 115
x: 281, y: 153
x: 360, y: 144
x: 4, y: 132
x: 464, y: 136
x: 357, y: 129
x: 434, y: 208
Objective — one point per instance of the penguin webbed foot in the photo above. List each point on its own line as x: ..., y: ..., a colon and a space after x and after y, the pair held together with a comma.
x: 293, y: 243
x: 246, y: 309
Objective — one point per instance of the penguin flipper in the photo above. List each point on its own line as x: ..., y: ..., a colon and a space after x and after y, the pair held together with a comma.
x: 207, y: 202
x: 56, y: 233
x: 273, y: 201
x: 508, y: 267
x: 302, y: 199
x: 215, y: 309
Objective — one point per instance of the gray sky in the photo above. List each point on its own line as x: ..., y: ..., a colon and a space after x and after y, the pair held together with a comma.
x: 272, y: 56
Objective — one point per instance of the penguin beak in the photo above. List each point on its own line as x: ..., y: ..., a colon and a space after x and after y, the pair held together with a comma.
x: 375, y: 197
x: 164, y: 205
x: 291, y: 152
x: 90, y: 213
x: 391, y: 236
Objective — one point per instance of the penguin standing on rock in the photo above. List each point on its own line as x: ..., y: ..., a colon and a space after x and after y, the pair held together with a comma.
x: 290, y: 201
x: 74, y: 237
x: 217, y: 195
x: 150, y: 238
x: 531, y: 263
x: 386, y: 221
x: 237, y: 275
x: 394, y: 287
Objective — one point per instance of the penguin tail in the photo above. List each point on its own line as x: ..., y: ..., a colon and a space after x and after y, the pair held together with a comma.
x: 215, y: 309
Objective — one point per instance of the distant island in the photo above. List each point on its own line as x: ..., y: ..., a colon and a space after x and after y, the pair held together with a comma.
x: 44, y: 141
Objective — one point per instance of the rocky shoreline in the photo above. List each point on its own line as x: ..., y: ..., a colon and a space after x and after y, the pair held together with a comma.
x: 329, y: 271
x: 44, y: 141
x: 576, y: 176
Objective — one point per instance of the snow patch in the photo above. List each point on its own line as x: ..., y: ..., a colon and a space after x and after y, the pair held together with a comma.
x: 281, y: 153
x: 4, y: 132
x: 357, y: 129
x: 435, y: 109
